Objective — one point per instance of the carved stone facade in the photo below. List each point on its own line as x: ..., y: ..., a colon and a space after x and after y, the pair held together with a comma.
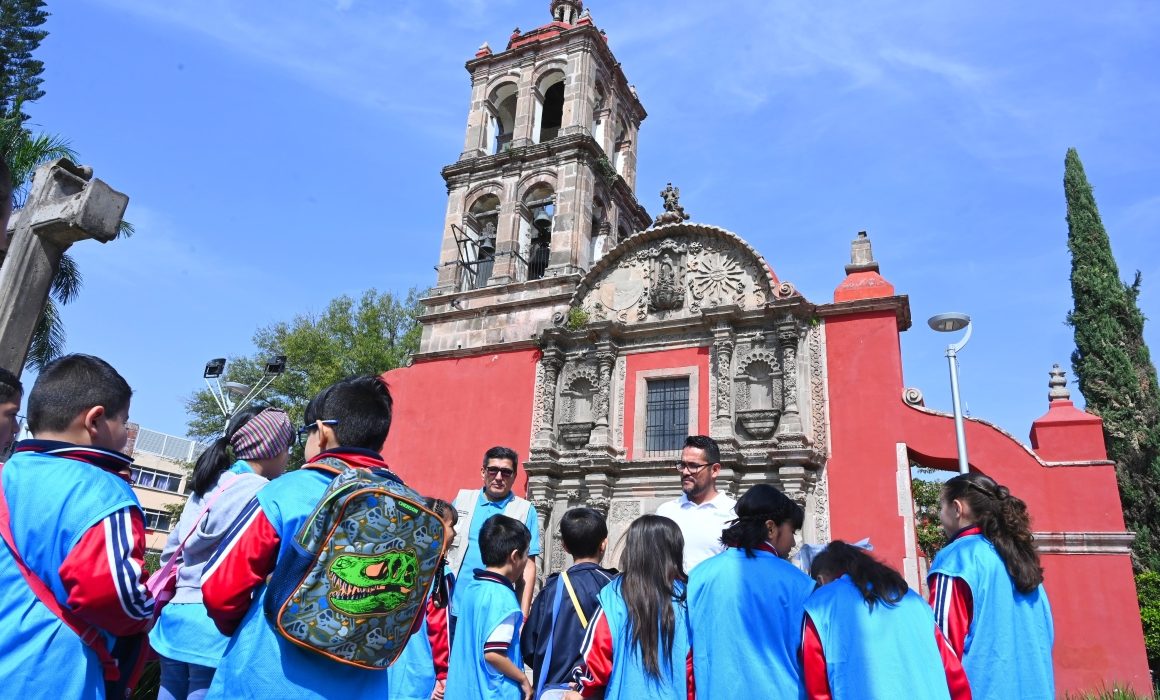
x: 680, y: 286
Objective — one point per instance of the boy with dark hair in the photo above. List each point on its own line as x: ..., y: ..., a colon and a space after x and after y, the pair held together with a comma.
x: 485, y: 658
x: 71, y: 573
x: 11, y: 392
x: 568, y: 600
x: 348, y: 421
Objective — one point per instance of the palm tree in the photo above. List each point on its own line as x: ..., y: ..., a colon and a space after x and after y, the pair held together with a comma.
x: 25, y: 152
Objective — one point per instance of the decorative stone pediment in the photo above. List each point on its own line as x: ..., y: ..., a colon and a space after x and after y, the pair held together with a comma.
x: 673, y: 271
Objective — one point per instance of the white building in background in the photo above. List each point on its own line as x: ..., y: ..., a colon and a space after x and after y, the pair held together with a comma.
x: 161, y: 469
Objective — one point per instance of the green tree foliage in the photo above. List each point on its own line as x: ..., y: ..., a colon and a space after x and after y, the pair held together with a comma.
x: 927, y: 527
x: 373, y: 334
x: 19, y: 37
x: 1112, y: 365
x: 1148, y: 593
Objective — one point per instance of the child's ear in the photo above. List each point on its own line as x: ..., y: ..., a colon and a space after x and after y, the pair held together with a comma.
x: 91, y: 420
x: 326, y: 437
x: 603, y: 545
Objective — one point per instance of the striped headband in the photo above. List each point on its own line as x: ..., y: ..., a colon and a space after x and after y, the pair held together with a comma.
x: 266, y: 435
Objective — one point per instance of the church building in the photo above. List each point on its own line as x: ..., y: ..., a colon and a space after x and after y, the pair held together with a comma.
x: 570, y: 325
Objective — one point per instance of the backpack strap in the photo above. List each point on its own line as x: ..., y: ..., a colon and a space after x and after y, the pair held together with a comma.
x: 465, y: 505
x: 89, y: 634
x: 542, y: 673
x: 160, y: 578
x: 575, y: 600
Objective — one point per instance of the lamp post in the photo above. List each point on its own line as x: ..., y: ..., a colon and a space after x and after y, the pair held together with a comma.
x: 951, y: 323
x: 232, y: 397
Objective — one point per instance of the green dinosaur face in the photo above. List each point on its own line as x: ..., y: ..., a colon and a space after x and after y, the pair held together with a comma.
x: 362, y: 584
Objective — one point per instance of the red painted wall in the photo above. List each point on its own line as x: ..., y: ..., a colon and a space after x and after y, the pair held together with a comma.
x: 449, y: 412
x: 1099, y: 640
x: 665, y: 359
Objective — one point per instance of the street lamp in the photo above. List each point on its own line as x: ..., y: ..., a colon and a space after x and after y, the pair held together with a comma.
x: 952, y: 323
x: 232, y: 397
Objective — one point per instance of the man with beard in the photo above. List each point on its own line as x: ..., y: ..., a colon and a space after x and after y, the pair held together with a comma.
x: 701, y: 511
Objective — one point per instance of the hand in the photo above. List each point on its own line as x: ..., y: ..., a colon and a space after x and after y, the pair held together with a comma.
x: 573, y: 695
x: 440, y: 688
x: 526, y: 686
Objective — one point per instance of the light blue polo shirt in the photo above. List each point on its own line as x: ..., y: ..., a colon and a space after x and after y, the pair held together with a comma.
x: 472, y: 559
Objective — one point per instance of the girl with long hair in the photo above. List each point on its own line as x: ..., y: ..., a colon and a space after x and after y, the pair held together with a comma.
x: 986, y: 588
x: 254, y: 449
x: 746, y: 603
x: 867, y: 636
x: 637, y: 644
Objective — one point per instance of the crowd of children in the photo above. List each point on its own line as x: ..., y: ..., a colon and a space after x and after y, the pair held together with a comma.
x: 239, y: 619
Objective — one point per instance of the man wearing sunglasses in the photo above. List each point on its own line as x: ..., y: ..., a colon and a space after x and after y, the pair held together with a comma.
x: 476, y: 506
x: 700, y: 511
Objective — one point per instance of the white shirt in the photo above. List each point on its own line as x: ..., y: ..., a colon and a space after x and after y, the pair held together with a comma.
x: 701, y: 525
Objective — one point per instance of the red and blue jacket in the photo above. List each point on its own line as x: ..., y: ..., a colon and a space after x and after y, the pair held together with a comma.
x: 258, y: 661
x: 78, y: 526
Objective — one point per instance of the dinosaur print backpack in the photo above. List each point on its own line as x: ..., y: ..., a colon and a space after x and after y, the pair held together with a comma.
x: 360, y: 569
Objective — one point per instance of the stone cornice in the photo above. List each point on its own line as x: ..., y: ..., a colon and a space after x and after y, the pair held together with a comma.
x: 474, y: 351
x: 899, y: 304
x: 1084, y: 542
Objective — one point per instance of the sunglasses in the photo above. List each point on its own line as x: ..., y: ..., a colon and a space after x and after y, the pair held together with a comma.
x: 304, y: 431
x: 500, y: 471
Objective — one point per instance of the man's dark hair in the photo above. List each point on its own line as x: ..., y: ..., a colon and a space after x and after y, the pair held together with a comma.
x: 361, y: 408
x: 499, y: 537
x: 10, y: 387
x: 500, y: 452
x: 583, y: 529
x: 71, y: 385
x: 706, y: 443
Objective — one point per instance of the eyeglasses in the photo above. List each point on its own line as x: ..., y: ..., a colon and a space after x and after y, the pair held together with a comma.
x: 305, y: 430
x: 691, y: 467
x: 500, y: 471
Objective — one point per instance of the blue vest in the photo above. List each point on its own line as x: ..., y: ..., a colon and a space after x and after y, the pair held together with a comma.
x: 260, y: 663
x: 1007, y: 653
x: 53, y: 501
x: 483, y: 605
x: 746, y: 621
x: 413, y: 673
x: 629, y: 680
x: 883, y: 653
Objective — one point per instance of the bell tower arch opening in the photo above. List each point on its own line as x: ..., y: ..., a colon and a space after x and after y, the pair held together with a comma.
x: 501, y: 121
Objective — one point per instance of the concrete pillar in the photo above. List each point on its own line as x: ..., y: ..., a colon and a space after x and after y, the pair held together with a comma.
x: 65, y: 206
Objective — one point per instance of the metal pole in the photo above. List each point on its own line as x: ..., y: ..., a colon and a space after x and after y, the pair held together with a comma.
x: 960, y: 434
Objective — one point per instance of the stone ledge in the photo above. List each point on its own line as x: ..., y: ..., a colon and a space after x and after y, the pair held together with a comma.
x: 1084, y: 542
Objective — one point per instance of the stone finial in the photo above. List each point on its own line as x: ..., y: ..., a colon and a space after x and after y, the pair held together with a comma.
x: 1057, y: 385
x: 484, y: 50
x: 566, y: 11
x: 861, y: 255
x: 674, y: 213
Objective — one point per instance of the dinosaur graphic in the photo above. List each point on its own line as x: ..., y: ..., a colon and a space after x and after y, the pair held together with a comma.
x: 364, y: 584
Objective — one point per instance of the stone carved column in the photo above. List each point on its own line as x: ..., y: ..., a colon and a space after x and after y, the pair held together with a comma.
x: 723, y: 345
x: 605, y: 359
x: 552, y: 362
x: 789, y: 430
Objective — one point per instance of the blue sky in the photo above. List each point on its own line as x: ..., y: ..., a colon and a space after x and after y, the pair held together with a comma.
x: 280, y: 153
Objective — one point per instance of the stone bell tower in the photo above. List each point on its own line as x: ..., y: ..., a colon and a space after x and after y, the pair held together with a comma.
x: 543, y: 189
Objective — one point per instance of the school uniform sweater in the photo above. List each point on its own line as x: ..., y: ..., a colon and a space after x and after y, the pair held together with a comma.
x: 745, y: 614
x: 78, y: 526
x: 258, y: 661
x: 1004, y: 637
x: 486, y: 601
x: 851, y: 651
x: 184, y: 632
x: 567, y: 638
x: 613, y: 663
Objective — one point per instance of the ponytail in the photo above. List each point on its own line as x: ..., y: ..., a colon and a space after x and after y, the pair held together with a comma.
x: 219, y: 456
x: 1004, y: 521
x: 876, y: 581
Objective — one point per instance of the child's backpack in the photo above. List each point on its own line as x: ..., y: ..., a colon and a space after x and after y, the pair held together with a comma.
x: 359, y: 572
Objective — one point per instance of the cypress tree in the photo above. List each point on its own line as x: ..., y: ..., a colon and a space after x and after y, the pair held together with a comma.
x: 19, y: 36
x: 1112, y: 365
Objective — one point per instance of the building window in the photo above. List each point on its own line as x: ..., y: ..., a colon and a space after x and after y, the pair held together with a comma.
x: 156, y: 520
x: 153, y: 479
x: 667, y: 415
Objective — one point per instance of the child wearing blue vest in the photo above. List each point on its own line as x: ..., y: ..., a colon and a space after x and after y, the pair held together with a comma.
x: 485, y: 657
x: 348, y: 421
x: 420, y: 672
x: 638, y: 644
x: 225, y: 479
x: 986, y: 588
x: 77, y: 534
x: 746, y: 604
x: 867, y: 636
